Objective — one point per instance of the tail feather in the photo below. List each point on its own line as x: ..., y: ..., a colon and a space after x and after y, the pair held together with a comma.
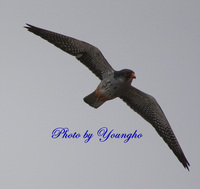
x: 93, y: 100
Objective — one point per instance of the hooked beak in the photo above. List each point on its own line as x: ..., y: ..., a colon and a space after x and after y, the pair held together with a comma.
x: 133, y: 76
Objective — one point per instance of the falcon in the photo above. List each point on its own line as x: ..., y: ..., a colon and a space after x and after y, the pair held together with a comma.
x: 115, y: 84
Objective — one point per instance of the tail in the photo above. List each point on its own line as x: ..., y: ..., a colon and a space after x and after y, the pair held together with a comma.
x: 93, y: 100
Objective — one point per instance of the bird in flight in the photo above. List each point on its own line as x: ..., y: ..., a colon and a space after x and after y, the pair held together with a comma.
x: 115, y: 84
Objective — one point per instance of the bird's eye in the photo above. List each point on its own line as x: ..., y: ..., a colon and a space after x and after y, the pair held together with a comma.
x: 127, y: 74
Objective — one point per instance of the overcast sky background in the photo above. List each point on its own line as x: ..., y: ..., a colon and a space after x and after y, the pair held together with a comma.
x: 42, y: 88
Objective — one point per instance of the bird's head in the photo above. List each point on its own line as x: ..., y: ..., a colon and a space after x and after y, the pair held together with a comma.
x: 125, y: 75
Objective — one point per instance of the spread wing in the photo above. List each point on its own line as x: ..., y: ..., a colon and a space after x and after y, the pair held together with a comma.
x: 89, y: 55
x: 149, y: 109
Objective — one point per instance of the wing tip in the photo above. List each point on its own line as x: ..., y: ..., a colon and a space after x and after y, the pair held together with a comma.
x: 184, y: 161
x: 31, y: 28
x: 28, y: 26
x: 186, y: 165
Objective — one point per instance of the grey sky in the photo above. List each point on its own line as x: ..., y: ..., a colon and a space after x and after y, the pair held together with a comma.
x: 42, y: 88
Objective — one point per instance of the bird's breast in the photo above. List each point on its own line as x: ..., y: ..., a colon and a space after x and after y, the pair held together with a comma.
x: 109, y: 88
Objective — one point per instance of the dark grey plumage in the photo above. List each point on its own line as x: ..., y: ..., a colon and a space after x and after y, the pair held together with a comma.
x: 89, y: 55
x: 149, y: 109
x: 142, y: 103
